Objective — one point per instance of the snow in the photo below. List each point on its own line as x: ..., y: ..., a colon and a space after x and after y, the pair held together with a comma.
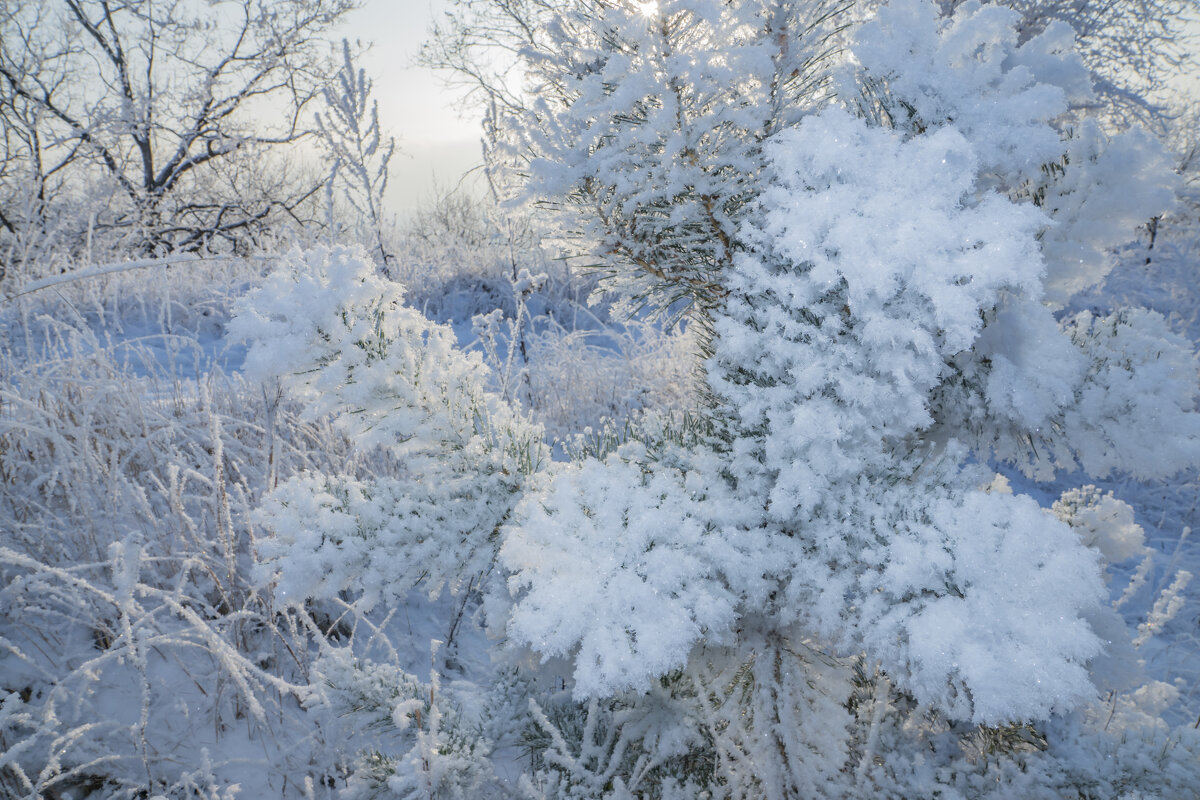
x: 285, y: 525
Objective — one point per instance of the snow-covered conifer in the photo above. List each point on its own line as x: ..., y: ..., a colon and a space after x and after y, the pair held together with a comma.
x: 648, y: 118
x: 1020, y: 101
x: 337, y: 335
x: 830, y: 355
x: 883, y: 313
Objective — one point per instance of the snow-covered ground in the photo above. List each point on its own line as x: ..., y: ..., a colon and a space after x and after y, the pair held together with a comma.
x: 137, y: 489
x: 455, y: 523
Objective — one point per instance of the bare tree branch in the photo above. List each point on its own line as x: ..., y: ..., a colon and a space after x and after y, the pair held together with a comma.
x: 147, y: 93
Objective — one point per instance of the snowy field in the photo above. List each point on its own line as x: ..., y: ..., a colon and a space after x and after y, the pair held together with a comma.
x: 817, y: 418
x: 139, y: 457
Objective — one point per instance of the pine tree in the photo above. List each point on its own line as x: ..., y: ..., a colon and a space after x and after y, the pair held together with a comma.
x: 881, y: 282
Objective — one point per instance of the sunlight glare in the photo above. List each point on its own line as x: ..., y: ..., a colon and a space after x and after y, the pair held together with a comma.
x: 648, y: 8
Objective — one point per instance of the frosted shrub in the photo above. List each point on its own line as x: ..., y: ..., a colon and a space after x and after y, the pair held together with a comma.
x: 827, y: 432
x: 862, y: 412
x: 443, y: 462
x: 664, y: 166
x: 439, y: 753
x: 333, y: 331
x: 130, y: 629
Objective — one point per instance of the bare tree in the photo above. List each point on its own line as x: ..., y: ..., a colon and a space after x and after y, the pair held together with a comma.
x: 152, y: 96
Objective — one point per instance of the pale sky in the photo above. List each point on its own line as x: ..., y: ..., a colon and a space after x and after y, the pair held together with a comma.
x: 435, y: 144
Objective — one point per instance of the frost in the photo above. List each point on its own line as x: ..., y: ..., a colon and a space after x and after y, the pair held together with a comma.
x: 1102, y: 522
x: 813, y: 568
x: 1016, y: 100
x: 835, y: 356
x: 329, y: 328
x: 972, y: 71
x: 617, y: 568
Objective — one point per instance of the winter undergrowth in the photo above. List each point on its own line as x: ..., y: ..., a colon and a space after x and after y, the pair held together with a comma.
x: 892, y: 497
